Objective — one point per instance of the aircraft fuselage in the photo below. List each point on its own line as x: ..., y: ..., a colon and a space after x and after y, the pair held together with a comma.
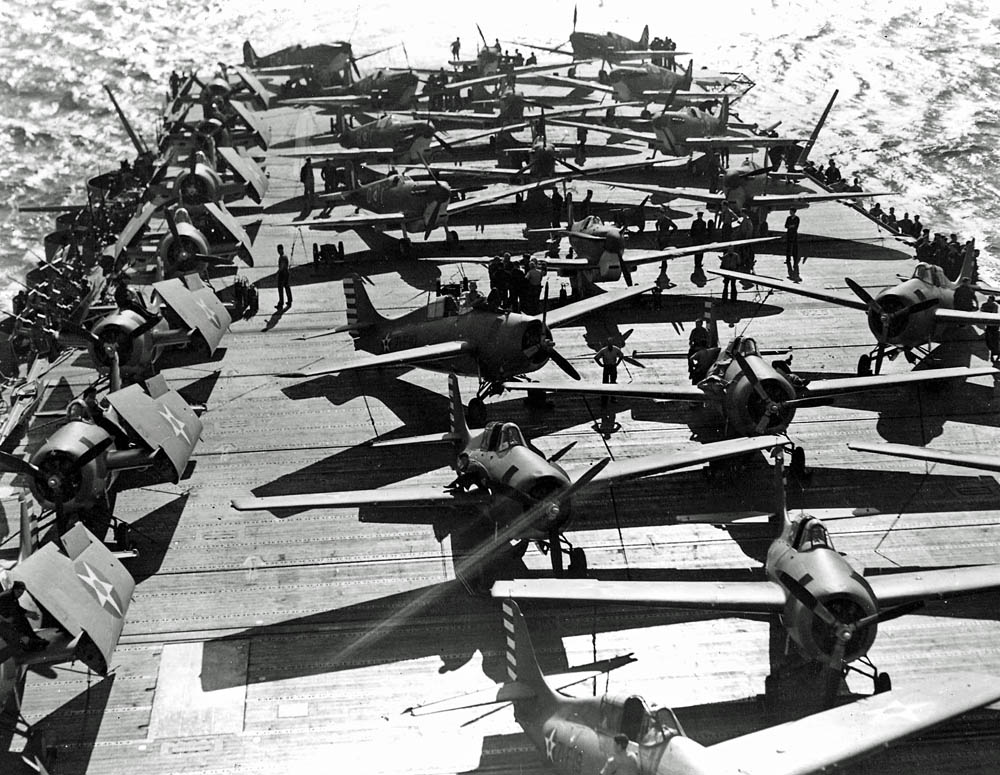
x: 918, y: 328
x: 630, y: 82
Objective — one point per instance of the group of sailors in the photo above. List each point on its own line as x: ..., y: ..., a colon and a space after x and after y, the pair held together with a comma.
x: 516, y: 286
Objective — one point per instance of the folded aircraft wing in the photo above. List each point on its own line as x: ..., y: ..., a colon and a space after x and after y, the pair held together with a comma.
x: 336, y: 152
x: 570, y: 312
x: 161, y: 418
x: 758, y: 597
x: 85, y: 589
x: 420, y: 495
x: 827, y: 387
x: 824, y: 741
x: 680, y: 192
x: 135, y: 225
x: 662, y: 392
x: 229, y: 223
x: 660, y: 255
x: 459, y: 85
x: 261, y: 132
x: 696, y: 454
x: 197, y: 305
x: 753, y: 141
x: 781, y: 285
x: 247, y: 170
x: 782, y: 201
x: 896, y: 588
x: 253, y: 83
x: 968, y: 460
x: 431, y: 352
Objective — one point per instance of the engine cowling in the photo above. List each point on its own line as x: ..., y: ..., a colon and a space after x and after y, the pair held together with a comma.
x: 115, y: 332
x: 746, y: 408
x: 60, y: 481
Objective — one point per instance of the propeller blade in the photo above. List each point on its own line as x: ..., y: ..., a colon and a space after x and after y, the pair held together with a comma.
x: 354, y: 66
x: 143, y: 329
x: 92, y: 453
x: 586, y: 478
x: 13, y: 464
x: 804, y: 596
x: 444, y: 143
x: 432, y: 221
x: 553, y: 458
x: 570, y: 166
x: 888, y: 614
x: 920, y: 306
x: 563, y: 364
x: 172, y: 225
x: 633, y: 361
x: 751, y: 376
x: 861, y: 293
x: 545, y: 304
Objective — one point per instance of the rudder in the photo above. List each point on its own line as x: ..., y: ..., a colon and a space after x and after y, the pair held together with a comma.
x: 459, y: 428
x: 249, y: 55
x: 361, y: 313
x: 644, y: 38
x: 522, y: 665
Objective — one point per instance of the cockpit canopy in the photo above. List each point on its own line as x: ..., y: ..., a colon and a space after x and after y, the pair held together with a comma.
x: 811, y: 534
x: 744, y: 345
x: 930, y: 274
x: 500, y: 437
x: 631, y: 717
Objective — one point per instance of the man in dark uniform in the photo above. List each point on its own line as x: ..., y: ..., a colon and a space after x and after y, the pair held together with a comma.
x: 699, y: 236
x: 308, y: 181
x: 284, y: 285
x: 992, y: 332
x: 15, y: 628
x: 792, y: 242
x: 731, y: 261
x: 127, y: 299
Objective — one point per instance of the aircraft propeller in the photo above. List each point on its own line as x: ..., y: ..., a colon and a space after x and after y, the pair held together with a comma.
x: 844, y: 632
x: 772, y: 408
x: 887, y: 318
x: 442, y: 194
x: 548, y: 345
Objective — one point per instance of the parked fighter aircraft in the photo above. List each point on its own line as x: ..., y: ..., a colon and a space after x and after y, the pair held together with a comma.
x: 752, y: 395
x: 610, y: 46
x: 829, y: 609
x: 141, y: 427
x: 474, y: 341
x: 205, y: 234
x: 903, y: 318
x: 184, y: 312
x: 76, y: 595
x: 577, y: 734
x: 401, y: 202
x: 647, y: 83
x: 523, y: 491
x: 383, y: 89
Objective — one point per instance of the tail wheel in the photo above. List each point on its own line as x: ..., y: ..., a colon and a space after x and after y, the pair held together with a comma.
x: 405, y: 248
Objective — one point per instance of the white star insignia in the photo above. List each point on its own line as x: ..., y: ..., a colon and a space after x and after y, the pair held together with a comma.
x: 102, y: 590
x: 209, y: 313
x: 177, y: 426
x: 550, y: 743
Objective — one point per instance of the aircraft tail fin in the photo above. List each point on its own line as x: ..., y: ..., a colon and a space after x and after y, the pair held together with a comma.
x: 688, y: 76
x: 724, y: 112
x: 969, y: 262
x: 459, y: 429
x: 361, y: 313
x: 644, y: 38
x: 815, y: 133
x: 29, y: 529
x: 522, y: 665
x: 249, y: 55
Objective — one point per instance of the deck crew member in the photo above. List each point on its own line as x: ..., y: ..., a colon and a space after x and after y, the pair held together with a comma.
x: 730, y: 260
x: 284, y: 286
x: 456, y: 47
x: 15, y: 628
x: 792, y: 241
x: 699, y: 236
x: 992, y: 331
x: 308, y: 181
x: 609, y: 357
x: 622, y: 761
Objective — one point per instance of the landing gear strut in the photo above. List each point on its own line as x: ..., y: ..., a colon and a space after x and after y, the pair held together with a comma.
x: 556, y: 547
x: 881, y: 682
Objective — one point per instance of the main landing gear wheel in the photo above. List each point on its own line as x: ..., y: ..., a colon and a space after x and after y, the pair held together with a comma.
x: 865, y: 366
x: 882, y: 683
x: 406, y: 248
x: 577, y: 563
x: 555, y: 553
x: 476, y: 413
x: 451, y: 239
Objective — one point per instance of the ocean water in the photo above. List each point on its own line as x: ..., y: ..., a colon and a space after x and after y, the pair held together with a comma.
x: 918, y: 111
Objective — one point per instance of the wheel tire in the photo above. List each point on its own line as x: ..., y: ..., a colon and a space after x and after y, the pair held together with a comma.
x: 316, y: 253
x: 577, y: 563
x: 405, y: 248
x: 865, y: 366
x: 882, y: 683
x: 451, y: 240
x: 476, y: 413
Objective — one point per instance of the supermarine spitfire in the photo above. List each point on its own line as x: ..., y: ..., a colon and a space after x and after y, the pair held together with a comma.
x: 576, y: 735
x: 523, y: 491
x: 477, y: 341
x: 827, y: 607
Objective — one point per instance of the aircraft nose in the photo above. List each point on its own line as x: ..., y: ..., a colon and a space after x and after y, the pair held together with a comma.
x: 614, y: 243
x: 442, y: 192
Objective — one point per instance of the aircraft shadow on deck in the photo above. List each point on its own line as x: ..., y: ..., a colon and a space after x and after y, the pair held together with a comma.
x: 151, y: 535
x: 73, y: 727
x: 421, y: 276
